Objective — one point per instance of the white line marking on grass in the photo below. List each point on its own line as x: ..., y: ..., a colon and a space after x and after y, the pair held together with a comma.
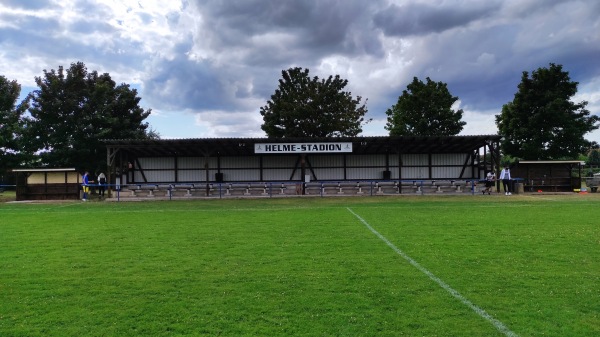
x: 499, y: 325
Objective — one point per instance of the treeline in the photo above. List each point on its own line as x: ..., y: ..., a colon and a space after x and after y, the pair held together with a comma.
x: 62, y: 122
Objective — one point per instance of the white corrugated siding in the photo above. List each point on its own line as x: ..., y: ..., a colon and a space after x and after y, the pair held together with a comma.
x: 279, y: 162
x: 445, y: 172
x: 190, y: 162
x: 329, y: 173
x: 241, y: 175
x: 191, y: 175
x: 156, y: 163
x: 448, y: 159
x: 280, y: 168
x: 155, y: 176
x: 239, y: 162
x: 366, y: 160
x: 326, y: 161
x: 415, y: 173
x: 415, y: 159
x: 279, y: 174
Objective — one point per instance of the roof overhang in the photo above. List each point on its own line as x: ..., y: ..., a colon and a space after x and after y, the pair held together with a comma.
x: 546, y: 162
x: 45, y: 170
x: 224, y: 147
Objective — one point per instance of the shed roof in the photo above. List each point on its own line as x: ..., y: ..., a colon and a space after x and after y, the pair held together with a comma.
x: 546, y: 162
x: 245, y: 146
x: 44, y: 170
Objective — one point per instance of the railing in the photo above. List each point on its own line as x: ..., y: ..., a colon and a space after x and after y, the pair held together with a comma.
x: 293, y: 188
x: 4, y: 187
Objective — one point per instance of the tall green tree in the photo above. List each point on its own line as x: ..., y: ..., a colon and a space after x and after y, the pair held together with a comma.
x: 309, y: 107
x: 542, y: 122
x: 425, y: 109
x: 594, y: 157
x: 73, y: 110
x: 11, y: 117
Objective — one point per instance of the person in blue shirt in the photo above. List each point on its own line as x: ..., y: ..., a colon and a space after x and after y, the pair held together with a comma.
x: 86, y: 187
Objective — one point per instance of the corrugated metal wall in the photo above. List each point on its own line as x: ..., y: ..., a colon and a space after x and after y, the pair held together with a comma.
x: 281, y: 168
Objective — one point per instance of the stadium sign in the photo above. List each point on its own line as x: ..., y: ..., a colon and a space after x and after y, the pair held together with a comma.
x: 302, y: 148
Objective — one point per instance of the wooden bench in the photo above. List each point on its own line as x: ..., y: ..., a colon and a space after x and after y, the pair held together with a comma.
x: 549, y: 185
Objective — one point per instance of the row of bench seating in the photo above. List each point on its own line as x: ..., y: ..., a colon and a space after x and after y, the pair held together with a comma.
x: 296, y: 188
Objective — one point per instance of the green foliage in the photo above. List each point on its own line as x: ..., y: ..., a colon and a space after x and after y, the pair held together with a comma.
x: 425, y: 109
x: 11, y: 126
x: 73, y: 110
x: 542, y: 122
x: 301, y: 267
x: 309, y: 107
x: 593, y: 157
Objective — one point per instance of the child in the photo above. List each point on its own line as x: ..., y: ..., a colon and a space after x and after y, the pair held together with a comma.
x: 489, y: 182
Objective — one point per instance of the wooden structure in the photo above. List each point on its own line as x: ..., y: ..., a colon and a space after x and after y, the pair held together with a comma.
x: 47, y: 184
x: 266, y: 159
x: 332, y: 160
x: 549, y: 176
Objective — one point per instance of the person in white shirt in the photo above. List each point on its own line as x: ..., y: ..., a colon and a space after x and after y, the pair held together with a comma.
x: 101, y: 184
x: 505, y: 177
x: 489, y: 182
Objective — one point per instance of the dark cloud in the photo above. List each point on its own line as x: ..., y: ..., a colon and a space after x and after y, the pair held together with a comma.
x: 420, y: 19
x: 182, y: 83
x: 320, y: 28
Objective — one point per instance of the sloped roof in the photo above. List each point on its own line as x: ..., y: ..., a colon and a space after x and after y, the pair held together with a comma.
x: 245, y: 146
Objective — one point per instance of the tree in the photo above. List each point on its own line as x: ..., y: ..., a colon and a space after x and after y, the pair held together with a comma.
x: 424, y: 109
x: 542, y: 122
x: 594, y: 157
x: 309, y: 107
x: 11, y: 116
x: 73, y: 110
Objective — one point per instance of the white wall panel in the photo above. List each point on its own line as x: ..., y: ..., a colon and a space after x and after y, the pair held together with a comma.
x: 445, y: 172
x: 448, y: 159
x: 278, y: 174
x: 415, y: 159
x: 415, y: 173
x: 363, y: 173
x: 366, y: 160
x: 327, y: 161
x: 283, y: 161
x: 238, y: 162
x: 156, y: 163
x: 240, y: 175
x: 190, y: 162
x: 330, y: 173
x: 191, y: 175
x: 326, y: 167
x: 155, y: 176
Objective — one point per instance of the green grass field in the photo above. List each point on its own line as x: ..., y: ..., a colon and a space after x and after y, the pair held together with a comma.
x: 362, y: 266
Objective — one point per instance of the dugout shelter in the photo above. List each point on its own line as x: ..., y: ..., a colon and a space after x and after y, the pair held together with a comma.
x: 549, y: 175
x: 47, y: 184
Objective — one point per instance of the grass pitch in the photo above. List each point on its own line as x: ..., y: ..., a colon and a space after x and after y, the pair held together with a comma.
x: 303, y: 267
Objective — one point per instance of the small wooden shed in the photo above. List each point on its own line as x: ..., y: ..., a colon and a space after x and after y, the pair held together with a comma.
x: 47, y: 184
x: 549, y: 175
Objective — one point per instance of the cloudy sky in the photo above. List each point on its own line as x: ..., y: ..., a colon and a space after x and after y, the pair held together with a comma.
x: 205, y: 67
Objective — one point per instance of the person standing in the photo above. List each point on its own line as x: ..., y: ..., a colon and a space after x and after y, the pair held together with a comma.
x: 101, y: 184
x: 505, y: 177
x: 86, y: 185
x: 489, y: 182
